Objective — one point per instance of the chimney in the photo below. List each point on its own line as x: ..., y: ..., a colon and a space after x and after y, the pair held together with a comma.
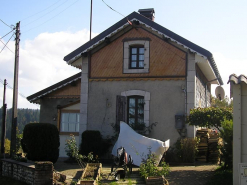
x: 149, y: 13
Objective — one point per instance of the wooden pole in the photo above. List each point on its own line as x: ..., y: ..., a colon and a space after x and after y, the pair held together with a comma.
x: 15, y: 92
x: 3, y: 121
x: 91, y: 19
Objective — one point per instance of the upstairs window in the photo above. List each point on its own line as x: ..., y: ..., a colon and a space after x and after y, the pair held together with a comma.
x: 137, y: 57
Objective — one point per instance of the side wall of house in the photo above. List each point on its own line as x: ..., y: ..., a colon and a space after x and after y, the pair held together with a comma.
x: 166, y: 100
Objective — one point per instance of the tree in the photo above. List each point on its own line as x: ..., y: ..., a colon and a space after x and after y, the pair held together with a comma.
x: 224, y: 103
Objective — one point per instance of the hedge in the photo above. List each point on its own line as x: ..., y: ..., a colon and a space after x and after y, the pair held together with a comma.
x: 41, y: 142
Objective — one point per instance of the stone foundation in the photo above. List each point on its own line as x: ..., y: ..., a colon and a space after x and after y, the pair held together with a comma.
x: 38, y: 174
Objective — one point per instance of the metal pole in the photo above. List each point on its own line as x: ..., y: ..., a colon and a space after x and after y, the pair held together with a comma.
x: 3, y: 121
x: 15, y: 93
x: 91, y: 19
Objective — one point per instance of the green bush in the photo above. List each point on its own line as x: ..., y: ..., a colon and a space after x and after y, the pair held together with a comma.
x: 149, y: 167
x: 92, y: 141
x: 7, y: 146
x: 226, y: 133
x: 41, y: 142
x: 184, y: 150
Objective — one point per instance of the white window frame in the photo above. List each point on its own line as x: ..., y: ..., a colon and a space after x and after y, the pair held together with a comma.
x: 77, y: 121
x: 146, y: 96
x: 126, y: 57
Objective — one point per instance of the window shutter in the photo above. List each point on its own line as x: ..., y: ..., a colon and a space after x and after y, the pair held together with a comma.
x: 121, y: 109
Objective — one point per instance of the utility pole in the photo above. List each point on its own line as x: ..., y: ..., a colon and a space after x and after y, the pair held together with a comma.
x: 15, y: 92
x: 91, y: 19
x: 3, y: 121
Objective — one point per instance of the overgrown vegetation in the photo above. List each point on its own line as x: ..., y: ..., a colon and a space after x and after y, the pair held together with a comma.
x: 149, y: 167
x: 184, y: 150
x: 41, y: 142
x: 73, y: 152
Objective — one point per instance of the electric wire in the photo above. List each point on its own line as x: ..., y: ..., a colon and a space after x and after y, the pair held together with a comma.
x: 11, y: 88
x: 7, y: 47
x: 5, y: 23
x: 51, y: 17
x: 7, y: 42
x: 112, y: 9
x: 7, y: 34
x: 40, y: 11
x: 44, y: 14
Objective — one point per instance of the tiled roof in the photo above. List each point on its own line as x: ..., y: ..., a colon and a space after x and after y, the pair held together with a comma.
x: 70, y: 58
x: 54, y: 87
x: 237, y: 79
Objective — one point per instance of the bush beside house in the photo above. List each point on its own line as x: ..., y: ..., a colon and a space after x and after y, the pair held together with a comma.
x: 41, y: 142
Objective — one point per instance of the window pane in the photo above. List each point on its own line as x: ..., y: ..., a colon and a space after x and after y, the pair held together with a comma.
x: 141, y: 57
x: 141, y: 64
x: 133, y: 64
x: 134, y: 50
x: 141, y: 50
x: 133, y: 57
x: 70, y: 122
x: 72, y: 117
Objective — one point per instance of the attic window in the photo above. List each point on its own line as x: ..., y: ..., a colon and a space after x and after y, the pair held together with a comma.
x: 136, y: 56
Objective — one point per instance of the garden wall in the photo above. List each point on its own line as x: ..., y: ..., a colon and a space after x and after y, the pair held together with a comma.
x: 41, y: 173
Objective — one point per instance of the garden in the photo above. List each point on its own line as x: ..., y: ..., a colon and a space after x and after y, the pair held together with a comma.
x: 84, y: 164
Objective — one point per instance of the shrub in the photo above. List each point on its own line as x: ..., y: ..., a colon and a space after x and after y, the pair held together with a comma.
x: 92, y: 141
x: 149, y: 167
x: 184, y: 150
x: 226, y: 133
x: 41, y: 142
x: 7, y: 146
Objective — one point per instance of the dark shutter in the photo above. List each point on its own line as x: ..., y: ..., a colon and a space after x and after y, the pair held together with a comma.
x: 121, y: 109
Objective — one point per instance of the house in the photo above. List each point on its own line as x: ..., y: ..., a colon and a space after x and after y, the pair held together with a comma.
x: 135, y: 71
x: 238, y: 86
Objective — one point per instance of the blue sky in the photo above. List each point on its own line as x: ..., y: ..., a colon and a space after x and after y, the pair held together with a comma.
x: 52, y: 29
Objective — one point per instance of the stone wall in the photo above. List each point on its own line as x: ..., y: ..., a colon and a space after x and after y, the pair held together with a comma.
x: 41, y: 173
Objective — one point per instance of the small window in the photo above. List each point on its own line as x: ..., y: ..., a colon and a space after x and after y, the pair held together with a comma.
x: 70, y: 122
x: 135, y: 110
x: 137, y: 57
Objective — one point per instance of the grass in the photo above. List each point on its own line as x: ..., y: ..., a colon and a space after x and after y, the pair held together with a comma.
x: 221, y: 177
x: 8, y: 180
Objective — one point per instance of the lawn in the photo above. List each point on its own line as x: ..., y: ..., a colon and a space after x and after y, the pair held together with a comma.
x: 221, y: 177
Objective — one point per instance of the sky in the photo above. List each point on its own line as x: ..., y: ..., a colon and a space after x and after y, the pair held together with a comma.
x: 52, y: 29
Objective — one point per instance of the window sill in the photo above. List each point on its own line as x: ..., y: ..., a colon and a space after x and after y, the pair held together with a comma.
x: 69, y: 133
x: 145, y: 70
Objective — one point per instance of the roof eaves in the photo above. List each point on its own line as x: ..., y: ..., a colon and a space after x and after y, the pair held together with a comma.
x: 54, y: 87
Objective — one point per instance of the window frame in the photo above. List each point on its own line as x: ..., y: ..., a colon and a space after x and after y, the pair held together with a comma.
x: 137, y: 54
x: 60, y: 123
x: 126, y: 58
x: 136, y: 97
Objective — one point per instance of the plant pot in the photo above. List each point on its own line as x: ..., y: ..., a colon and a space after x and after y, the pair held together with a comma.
x: 91, y: 174
x: 157, y: 180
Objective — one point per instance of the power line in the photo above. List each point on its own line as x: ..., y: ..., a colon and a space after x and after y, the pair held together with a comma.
x: 7, y: 43
x: 112, y: 8
x: 7, y: 34
x: 44, y: 14
x: 51, y: 18
x: 40, y: 11
x: 7, y: 47
x: 11, y: 88
x: 5, y: 23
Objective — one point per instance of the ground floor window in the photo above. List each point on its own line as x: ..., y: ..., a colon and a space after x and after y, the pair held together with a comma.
x: 135, y: 110
x: 69, y: 122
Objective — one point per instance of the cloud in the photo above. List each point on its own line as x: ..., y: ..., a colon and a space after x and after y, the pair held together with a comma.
x: 41, y: 63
